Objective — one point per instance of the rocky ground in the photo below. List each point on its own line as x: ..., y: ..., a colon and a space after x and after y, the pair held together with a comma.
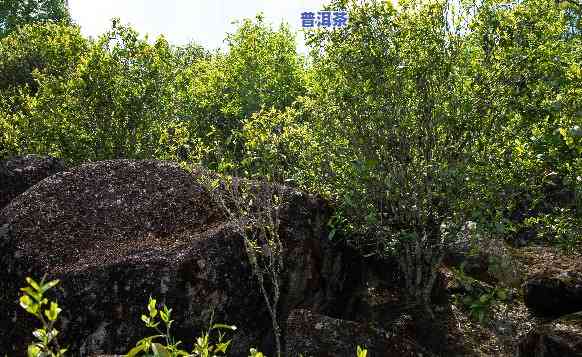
x: 539, y: 318
x: 18, y: 174
x: 117, y: 231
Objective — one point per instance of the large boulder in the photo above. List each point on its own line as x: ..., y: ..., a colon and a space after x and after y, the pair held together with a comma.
x: 118, y: 231
x: 554, y: 293
x: 20, y: 173
x: 559, y: 338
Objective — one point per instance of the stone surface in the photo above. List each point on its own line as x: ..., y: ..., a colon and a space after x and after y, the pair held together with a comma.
x: 20, y: 173
x: 560, y: 338
x: 554, y: 293
x: 117, y: 231
x: 484, y: 259
x: 317, y: 335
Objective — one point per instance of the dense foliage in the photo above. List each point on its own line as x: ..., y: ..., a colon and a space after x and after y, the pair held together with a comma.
x: 413, y: 119
x: 17, y: 13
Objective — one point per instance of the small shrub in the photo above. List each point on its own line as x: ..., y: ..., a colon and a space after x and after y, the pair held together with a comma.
x: 204, y: 348
x: 361, y: 352
x: 34, y: 302
x: 255, y: 214
x: 479, y: 298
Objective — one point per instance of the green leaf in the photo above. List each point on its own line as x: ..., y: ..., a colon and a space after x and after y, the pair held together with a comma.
x: 33, y: 293
x: 136, y: 350
x: 331, y: 234
x: 53, y: 312
x: 164, y: 316
x: 160, y: 350
x: 40, y: 334
x: 223, y: 326
x: 49, y: 285
x: 152, y: 307
x: 222, y: 347
x: 30, y: 306
x: 361, y: 352
x: 149, y: 322
x: 145, y: 319
x: 33, y: 351
x: 33, y: 283
x: 25, y: 301
x: 255, y: 353
x: 52, y: 334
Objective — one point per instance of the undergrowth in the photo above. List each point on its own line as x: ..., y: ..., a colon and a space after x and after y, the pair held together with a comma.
x: 211, y: 343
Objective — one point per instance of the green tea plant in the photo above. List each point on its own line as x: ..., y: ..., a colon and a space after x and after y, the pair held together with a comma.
x: 146, y: 347
x: 47, y: 345
x: 254, y: 213
x: 479, y: 299
x: 35, y: 303
x: 361, y: 352
x: 255, y: 353
x: 400, y: 129
x: 560, y: 227
x: 480, y: 305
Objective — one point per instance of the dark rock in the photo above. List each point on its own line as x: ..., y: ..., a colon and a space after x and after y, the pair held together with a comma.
x: 4, y: 232
x: 523, y: 237
x: 118, y: 231
x: 484, y: 259
x: 376, y: 292
x: 317, y: 335
x: 20, y: 173
x: 377, y: 296
x: 560, y: 338
x: 475, y: 265
x: 554, y: 294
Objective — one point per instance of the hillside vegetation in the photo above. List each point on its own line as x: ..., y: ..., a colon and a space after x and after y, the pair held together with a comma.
x: 417, y: 121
